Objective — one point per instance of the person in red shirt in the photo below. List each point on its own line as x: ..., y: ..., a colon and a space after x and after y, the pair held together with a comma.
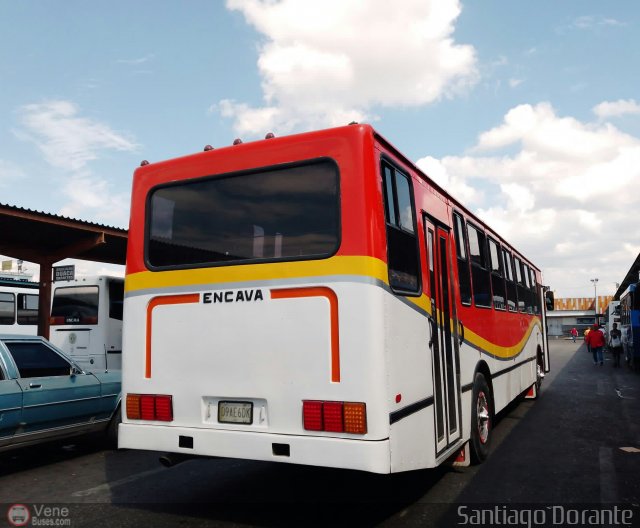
x: 595, y: 340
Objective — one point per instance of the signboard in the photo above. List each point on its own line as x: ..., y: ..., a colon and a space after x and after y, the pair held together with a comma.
x: 7, y: 265
x: 64, y: 273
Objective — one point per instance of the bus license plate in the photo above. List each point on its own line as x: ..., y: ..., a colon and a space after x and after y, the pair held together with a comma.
x: 235, y: 412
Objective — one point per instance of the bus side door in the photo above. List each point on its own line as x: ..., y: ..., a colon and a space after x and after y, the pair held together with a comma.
x: 443, y: 343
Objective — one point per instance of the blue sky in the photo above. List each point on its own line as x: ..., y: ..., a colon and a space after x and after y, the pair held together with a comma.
x: 529, y: 112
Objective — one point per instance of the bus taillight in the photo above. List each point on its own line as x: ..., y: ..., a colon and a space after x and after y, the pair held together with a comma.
x: 355, y: 418
x: 312, y: 415
x: 133, y: 406
x: 147, y: 407
x: 164, y: 408
x: 334, y: 416
x: 150, y: 407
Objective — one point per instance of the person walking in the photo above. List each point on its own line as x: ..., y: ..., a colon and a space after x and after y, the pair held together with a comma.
x: 574, y: 333
x: 615, y: 344
x: 586, y: 335
x: 595, y: 340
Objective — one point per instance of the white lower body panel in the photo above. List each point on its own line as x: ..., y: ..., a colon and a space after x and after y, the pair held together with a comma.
x: 372, y: 456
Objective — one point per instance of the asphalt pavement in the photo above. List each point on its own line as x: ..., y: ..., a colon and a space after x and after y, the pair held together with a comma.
x: 576, y: 446
x: 580, y: 442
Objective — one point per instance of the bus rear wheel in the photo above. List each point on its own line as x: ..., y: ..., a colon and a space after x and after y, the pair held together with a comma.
x: 481, y: 419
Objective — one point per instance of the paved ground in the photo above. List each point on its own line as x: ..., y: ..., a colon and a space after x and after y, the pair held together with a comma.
x: 584, y: 430
x: 578, y: 444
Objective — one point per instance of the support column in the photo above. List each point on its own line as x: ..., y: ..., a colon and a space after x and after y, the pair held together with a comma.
x: 44, y: 299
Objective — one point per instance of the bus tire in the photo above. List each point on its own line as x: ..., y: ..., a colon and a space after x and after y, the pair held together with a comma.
x: 481, y: 419
x: 539, y: 374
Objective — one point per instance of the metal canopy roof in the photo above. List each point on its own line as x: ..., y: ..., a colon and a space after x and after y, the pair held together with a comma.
x: 42, y: 237
x: 45, y: 239
x: 632, y: 277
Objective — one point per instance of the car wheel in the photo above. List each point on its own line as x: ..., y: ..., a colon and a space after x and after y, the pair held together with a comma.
x: 481, y: 419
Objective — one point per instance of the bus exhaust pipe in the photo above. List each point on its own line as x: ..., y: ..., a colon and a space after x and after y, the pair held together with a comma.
x: 173, y: 459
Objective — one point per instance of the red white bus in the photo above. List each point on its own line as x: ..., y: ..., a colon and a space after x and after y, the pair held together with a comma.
x: 316, y: 299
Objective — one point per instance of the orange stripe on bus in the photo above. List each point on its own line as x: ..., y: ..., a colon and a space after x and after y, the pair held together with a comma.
x: 330, y: 295
x: 163, y: 301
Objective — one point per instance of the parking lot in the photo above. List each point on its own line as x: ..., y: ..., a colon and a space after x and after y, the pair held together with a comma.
x: 579, y: 445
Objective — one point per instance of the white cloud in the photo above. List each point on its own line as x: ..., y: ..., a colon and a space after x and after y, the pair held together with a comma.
x: 519, y: 197
x: 69, y: 143
x: 137, y: 61
x: 561, y: 195
x: 92, y: 197
x: 591, y: 22
x: 455, y: 185
x: 612, y: 22
x: 66, y: 140
x: 617, y: 108
x: 327, y: 63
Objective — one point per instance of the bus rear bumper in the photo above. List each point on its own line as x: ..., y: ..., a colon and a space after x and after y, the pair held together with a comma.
x: 363, y: 455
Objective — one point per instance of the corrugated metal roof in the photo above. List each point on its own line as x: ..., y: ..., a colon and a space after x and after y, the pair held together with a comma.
x: 60, y: 217
x: 36, y: 236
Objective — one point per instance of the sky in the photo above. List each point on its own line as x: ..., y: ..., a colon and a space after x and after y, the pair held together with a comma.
x: 527, y: 112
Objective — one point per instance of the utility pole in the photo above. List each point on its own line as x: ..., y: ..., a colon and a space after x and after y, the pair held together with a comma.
x: 595, y: 300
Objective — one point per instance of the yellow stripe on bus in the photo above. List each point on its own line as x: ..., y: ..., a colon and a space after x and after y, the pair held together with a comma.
x: 363, y: 266
x: 498, y: 351
x: 335, y: 266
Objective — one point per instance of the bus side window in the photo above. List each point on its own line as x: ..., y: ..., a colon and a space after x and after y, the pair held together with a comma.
x: 479, y: 269
x: 7, y: 308
x: 512, y: 298
x: 527, y: 283
x: 497, y: 276
x: 402, y: 243
x: 517, y: 265
x: 464, y: 276
x: 116, y: 300
x: 27, y: 309
x: 535, y: 289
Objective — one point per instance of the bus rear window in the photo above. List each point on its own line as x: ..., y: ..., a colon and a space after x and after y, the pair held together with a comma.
x: 75, y: 305
x: 275, y: 214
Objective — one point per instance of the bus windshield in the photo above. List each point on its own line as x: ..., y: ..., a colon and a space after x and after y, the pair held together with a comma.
x: 273, y: 214
x: 75, y: 305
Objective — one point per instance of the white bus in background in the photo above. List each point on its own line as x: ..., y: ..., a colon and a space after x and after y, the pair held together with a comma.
x: 612, y: 315
x: 86, y: 321
x: 18, y: 307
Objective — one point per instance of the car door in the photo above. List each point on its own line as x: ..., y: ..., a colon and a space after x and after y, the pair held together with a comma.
x: 10, y: 407
x: 10, y: 399
x: 53, y: 394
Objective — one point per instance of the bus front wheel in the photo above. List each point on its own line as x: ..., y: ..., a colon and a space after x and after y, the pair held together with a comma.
x: 481, y: 419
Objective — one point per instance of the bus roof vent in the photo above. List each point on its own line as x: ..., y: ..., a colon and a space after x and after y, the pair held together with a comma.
x: 143, y: 163
x: 207, y: 148
x: 270, y: 135
x: 237, y: 141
